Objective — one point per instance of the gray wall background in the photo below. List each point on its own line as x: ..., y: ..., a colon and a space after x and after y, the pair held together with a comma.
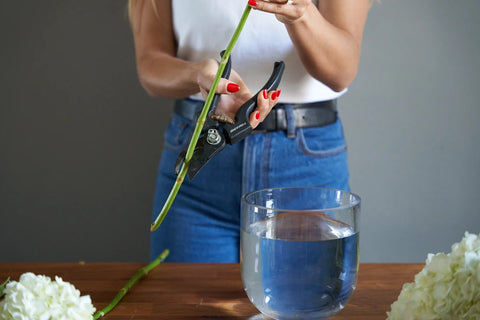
x: 80, y: 140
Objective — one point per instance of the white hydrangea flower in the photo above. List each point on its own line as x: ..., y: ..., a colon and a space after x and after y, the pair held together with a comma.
x: 37, y: 297
x: 448, y: 287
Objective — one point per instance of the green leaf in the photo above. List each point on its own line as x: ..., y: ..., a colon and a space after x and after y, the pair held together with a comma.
x: 2, y: 287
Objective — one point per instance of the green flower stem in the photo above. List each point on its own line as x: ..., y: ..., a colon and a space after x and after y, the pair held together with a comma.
x: 140, y: 273
x: 201, y: 122
x: 2, y: 287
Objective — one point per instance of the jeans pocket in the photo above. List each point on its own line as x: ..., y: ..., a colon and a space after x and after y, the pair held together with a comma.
x: 321, y: 142
x: 178, y: 133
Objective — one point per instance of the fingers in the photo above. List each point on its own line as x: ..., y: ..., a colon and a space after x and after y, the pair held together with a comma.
x: 266, y: 4
x: 265, y: 102
x: 286, y: 11
x: 233, y: 93
x: 206, y: 76
x: 225, y: 86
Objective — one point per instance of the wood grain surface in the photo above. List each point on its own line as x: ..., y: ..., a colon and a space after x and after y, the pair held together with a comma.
x: 205, y: 291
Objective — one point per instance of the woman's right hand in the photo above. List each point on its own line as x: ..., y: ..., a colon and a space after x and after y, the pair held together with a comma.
x: 233, y: 93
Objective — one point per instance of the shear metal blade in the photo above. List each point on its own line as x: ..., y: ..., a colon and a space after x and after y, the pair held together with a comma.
x: 207, y: 147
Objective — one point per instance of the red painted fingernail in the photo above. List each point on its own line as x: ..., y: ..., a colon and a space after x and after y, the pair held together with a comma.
x: 233, y: 87
x: 278, y: 93
x: 274, y: 95
x: 253, y: 3
x: 257, y: 115
x: 265, y: 94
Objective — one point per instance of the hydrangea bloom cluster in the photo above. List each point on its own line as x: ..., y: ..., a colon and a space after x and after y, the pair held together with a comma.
x: 37, y: 297
x: 448, y: 287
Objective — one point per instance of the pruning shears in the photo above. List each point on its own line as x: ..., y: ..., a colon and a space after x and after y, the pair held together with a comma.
x: 216, y: 135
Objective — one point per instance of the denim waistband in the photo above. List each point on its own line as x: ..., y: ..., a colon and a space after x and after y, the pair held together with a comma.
x: 284, y: 116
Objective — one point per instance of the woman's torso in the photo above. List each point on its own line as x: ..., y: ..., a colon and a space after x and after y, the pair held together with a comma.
x: 203, y: 28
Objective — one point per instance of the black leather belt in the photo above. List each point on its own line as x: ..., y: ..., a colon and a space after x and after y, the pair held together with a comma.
x: 306, y: 115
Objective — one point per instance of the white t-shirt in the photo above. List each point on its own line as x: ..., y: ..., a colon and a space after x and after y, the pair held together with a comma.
x: 203, y: 29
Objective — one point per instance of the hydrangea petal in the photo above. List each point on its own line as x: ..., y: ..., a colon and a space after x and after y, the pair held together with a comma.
x: 37, y: 297
x: 448, y: 287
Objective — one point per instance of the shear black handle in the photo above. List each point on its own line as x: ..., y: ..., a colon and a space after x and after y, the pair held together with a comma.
x: 225, y: 75
x: 242, y: 128
x: 209, y: 123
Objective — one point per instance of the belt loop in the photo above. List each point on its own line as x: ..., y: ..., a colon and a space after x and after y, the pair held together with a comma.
x: 290, y: 117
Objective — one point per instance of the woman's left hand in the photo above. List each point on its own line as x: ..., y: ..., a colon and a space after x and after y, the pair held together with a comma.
x: 286, y: 11
x: 327, y: 36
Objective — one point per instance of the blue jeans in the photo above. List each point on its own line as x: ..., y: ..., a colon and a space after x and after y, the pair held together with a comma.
x: 203, y: 224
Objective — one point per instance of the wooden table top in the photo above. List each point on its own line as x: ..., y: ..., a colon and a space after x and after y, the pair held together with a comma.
x: 205, y: 291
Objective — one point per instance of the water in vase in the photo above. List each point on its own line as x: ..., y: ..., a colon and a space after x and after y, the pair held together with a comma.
x: 299, y: 266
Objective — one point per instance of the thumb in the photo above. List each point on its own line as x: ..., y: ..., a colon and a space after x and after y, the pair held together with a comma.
x: 226, y: 86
